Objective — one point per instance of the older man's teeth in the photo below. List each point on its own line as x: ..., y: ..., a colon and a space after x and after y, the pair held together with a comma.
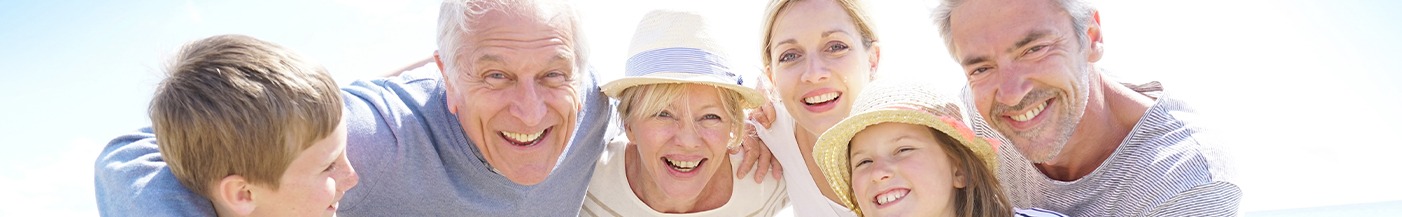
x: 891, y: 196
x: 820, y: 98
x: 1031, y: 113
x: 522, y: 137
x: 682, y: 166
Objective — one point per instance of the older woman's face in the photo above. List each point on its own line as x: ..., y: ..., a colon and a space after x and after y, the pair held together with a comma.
x: 818, y: 62
x: 514, y: 94
x: 683, y: 146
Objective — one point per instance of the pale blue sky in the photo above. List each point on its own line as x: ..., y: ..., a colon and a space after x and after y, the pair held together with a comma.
x: 1303, y: 92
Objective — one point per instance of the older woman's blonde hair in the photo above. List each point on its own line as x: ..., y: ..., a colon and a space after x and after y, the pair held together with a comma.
x: 855, y: 9
x: 638, y: 102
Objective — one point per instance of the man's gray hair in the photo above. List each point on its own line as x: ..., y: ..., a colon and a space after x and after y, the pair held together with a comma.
x: 1081, y: 13
x: 454, y: 18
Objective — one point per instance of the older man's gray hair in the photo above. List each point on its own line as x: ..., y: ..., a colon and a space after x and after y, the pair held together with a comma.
x: 1081, y: 13
x: 453, y: 26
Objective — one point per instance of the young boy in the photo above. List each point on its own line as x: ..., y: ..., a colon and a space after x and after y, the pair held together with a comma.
x: 254, y: 128
x: 905, y: 150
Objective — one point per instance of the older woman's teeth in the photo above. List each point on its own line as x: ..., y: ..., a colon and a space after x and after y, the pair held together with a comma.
x: 683, y: 166
x: 522, y: 137
x: 1031, y: 113
x: 820, y: 98
x: 891, y: 196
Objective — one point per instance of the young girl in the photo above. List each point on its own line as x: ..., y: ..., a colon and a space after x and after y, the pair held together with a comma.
x: 905, y: 150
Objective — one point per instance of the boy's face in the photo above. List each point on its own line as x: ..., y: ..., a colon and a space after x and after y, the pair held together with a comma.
x: 313, y: 183
x: 900, y: 169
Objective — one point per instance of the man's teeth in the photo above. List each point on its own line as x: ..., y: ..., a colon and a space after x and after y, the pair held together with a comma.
x: 521, y: 137
x: 891, y: 196
x: 1031, y: 113
x: 820, y: 98
x: 683, y: 166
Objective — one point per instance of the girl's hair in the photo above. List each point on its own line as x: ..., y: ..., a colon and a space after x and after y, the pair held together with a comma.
x: 982, y: 195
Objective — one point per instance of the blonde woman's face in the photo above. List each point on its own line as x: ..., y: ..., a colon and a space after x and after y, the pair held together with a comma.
x: 900, y: 169
x: 683, y: 146
x: 818, y: 62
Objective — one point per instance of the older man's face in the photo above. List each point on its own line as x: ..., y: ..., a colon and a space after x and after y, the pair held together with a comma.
x: 514, y: 92
x: 1026, y: 68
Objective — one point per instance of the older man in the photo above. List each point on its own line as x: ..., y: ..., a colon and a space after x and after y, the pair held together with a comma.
x: 511, y: 128
x: 1086, y: 144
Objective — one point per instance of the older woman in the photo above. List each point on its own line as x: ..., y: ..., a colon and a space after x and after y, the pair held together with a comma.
x: 818, y: 54
x: 681, y: 108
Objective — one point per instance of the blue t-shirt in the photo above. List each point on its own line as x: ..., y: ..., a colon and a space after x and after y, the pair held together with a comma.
x: 410, y: 152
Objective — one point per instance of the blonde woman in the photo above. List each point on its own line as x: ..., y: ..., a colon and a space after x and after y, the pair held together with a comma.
x: 682, y: 109
x: 817, y: 54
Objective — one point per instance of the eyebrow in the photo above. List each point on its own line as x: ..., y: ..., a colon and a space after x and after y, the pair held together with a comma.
x: 1028, y: 39
x: 825, y: 34
x: 1031, y: 36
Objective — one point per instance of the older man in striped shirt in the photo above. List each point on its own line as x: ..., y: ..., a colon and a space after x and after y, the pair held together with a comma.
x: 1086, y: 145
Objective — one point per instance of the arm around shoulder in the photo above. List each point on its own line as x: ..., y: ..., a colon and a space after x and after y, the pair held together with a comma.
x: 131, y: 179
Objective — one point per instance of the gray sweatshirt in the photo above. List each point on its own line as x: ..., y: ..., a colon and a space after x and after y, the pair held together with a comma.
x: 410, y: 152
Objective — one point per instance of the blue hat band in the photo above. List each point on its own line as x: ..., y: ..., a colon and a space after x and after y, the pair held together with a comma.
x: 679, y: 60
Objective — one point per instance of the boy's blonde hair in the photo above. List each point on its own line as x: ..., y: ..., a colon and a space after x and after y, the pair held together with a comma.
x: 236, y: 105
x: 638, y: 102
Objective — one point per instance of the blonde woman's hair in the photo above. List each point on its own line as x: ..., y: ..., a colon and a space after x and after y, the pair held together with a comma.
x: 642, y: 101
x: 854, y: 8
x: 236, y: 105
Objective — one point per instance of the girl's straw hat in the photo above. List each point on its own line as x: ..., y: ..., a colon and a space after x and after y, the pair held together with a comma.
x: 892, y: 100
x: 675, y: 47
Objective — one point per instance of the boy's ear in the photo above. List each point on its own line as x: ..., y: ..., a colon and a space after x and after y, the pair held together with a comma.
x: 235, y: 193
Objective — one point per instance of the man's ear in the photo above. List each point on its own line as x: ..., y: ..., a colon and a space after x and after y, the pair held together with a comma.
x: 447, y: 84
x: 1096, y: 40
x: 874, y: 57
x: 235, y: 193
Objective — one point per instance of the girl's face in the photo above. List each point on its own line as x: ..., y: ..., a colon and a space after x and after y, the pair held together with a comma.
x: 900, y: 169
x: 818, y: 62
x: 682, y: 147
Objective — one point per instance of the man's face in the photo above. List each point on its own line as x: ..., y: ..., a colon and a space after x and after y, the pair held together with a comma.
x: 1026, y: 68
x: 514, y: 91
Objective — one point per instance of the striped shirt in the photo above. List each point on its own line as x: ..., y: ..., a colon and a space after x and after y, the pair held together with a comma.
x: 1166, y: 166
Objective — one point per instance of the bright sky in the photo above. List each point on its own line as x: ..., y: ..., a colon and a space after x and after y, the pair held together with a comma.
x: 1302, y: 92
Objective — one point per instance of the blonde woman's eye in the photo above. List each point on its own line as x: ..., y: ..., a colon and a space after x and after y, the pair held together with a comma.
x: 788, y: 56
x: 664, y: 114
x: 837, y: 46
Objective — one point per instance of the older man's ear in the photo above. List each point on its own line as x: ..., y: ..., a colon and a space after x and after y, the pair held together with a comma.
x: 448, y: 84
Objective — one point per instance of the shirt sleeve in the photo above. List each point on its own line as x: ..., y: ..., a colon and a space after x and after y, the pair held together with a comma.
x: 1211, y: 199
x: 131, y: 179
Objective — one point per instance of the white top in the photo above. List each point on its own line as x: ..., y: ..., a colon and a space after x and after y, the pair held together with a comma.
x: 610, y: 195
x: 803, y: 192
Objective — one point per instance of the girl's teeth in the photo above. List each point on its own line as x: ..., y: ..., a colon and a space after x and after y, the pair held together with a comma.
x: 890, y: 196
x: 820, y: 98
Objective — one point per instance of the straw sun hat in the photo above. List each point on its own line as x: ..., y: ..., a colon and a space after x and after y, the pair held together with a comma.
x: 676, y: 47
x: 885, y: 101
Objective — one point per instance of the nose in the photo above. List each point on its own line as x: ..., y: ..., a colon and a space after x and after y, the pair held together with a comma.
x: 526, y: 104
x: 348, y: 178
x: 1012, y: 87
x: 882, y: 172
x: 817, y: 71
x: 688, y: 136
